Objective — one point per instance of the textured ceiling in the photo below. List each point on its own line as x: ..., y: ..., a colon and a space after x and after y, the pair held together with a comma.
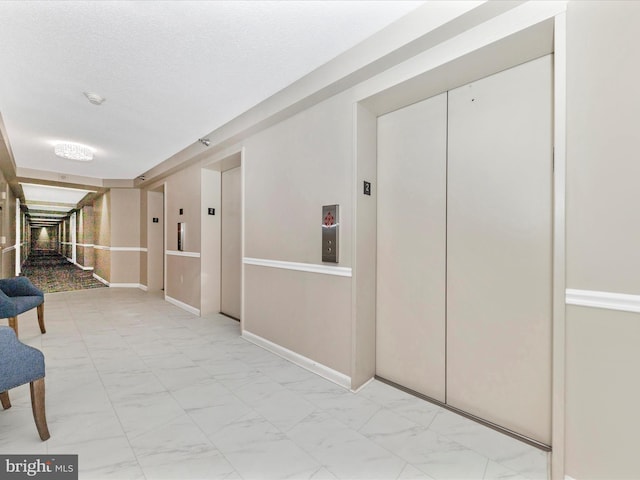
x: 170, y: 71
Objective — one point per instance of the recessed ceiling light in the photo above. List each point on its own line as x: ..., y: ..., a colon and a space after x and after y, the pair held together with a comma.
x: 94, y: 98
x: 73, y: 151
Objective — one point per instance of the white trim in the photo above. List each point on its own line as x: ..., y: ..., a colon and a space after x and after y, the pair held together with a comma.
x: 82, y: 267
x: 85, y: 245
x: 119, y: 249
x: 558, y: 340
x: 325, y: 372
x: 100, y: 279
x: 178, y: 253
x: 144, y: 288
x: 611, y: 301
x: 120, y: 285
x: 8, y: 249
x: 301, y: 267
x: 567, y: 477
x: 124, y: 285
x: 182, y: 305
x: 128, y: 249
x: 363, y: 385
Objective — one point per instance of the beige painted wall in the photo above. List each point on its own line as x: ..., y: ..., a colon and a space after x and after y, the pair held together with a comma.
x: 363, y: 362
x: 116, y: 221
x: 88, y: 255
x: 102, y: 265
x: 603, y: 235
x: 154, y: 258
x: 125, y: 234
x: 183, y: 280
x: 291, y: 309
x: 144, y: 214
x: 125, y: 267
x: 291, y: 170
x: 125, y: 217
x: 9, y: 231
x: 45, y: 238
x: 182, y: 190
x: 102, y: 220
x: 210, y: 255
x: 102, y: 236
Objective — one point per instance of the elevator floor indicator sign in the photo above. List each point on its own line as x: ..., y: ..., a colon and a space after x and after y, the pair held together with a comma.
x: 329, y: 219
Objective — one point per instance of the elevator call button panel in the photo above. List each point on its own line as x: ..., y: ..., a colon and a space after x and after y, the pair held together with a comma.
x: 330, y: 233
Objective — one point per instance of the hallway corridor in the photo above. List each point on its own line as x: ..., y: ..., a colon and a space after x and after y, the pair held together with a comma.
x: 141, y: 389
x: 51, y: 272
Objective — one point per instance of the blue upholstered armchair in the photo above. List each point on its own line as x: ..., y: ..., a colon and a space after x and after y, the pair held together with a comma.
x: 17, y: 295
x: 21, y: 364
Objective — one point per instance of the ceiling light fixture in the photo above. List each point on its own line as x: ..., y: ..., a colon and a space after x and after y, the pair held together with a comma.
x: 73, y: 151
x: 205, y: 141
x: 94, y: 98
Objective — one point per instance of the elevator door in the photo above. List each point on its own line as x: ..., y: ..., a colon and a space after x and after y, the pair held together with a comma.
x: 410, y: 316
x: 499, y: 238
x: 231, y: 244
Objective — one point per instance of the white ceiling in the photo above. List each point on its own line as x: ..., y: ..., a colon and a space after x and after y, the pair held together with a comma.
x: 170, y: 71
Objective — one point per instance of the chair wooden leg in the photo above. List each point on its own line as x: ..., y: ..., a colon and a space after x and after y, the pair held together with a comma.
x: 13, y: 323
x: 37, y: 405
x: 41, y: 318
x: 4, y: 398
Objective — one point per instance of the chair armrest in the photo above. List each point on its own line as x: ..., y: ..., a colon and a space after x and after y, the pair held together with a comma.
x: 20, y: 287
x: 19, y: 363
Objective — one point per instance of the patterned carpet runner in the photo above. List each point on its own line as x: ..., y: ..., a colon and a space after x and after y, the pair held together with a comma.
x: 51, y: 272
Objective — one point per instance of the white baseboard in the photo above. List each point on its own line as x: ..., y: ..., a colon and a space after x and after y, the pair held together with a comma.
x: 144, y: 288
x: 82, y: 266
x: 100, y: 279
x: 182, y: 305
x: 124, y: 285
x: 567, y: 477
x: 300, y: 360
x: 120, y: 285
x: 363, y: 385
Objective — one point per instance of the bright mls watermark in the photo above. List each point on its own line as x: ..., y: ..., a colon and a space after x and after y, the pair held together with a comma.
x: 51, y: 467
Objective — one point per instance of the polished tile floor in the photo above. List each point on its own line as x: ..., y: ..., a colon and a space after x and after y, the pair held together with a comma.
x: 140, y: 389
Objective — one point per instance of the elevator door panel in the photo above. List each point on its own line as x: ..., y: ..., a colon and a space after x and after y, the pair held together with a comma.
x: 499, y: 274
x: 231, y: 245
x: 410, y: 318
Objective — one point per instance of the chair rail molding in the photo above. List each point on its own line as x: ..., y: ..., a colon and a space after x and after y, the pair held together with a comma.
x: 301, y: 267
x: 607, y: 300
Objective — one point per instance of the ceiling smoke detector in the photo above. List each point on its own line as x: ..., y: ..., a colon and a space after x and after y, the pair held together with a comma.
x: 94, y: 98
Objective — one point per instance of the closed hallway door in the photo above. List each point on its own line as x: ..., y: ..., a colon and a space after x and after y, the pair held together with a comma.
x: 499, y: 276
x: 231, y: 244
x: 410, y: 316
x: 464, y: 265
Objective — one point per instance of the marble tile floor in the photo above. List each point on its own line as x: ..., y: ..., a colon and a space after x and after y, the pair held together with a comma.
x: 141, y: 389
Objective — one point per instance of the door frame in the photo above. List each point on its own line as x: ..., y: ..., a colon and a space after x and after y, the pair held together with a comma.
x: 507, y: 45
x: 211, y: 197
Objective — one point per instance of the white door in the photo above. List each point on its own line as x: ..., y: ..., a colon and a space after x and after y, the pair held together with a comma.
x: 499, y: 249
x: 231, y: 248
x: 410, y: 312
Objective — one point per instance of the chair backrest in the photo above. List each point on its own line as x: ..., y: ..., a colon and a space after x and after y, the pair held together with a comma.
x: 19, y: 363
x: 19, y: 287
